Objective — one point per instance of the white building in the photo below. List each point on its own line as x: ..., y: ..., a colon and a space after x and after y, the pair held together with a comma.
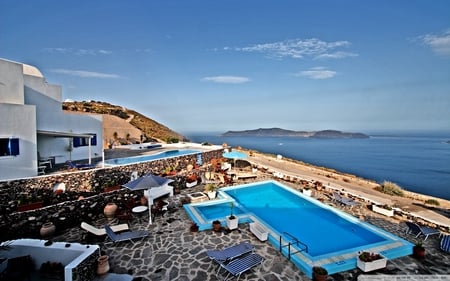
x: 34, y: 127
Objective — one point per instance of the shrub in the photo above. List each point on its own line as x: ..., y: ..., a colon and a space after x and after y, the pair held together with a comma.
x: 193, y: 227
x: 368, y: 257
x: 390, y: 188
x: 320, y: 270
x: 432, y: 202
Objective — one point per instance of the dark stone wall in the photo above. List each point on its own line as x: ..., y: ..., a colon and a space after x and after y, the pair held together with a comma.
x: 86, y: 270
x: 83, y: 199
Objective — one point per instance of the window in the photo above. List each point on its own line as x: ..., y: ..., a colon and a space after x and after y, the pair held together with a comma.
x: 77, y: 142
x: 9, y: 147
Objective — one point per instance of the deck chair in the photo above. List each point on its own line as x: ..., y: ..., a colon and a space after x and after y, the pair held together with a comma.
x: 417, y: 230
x: 230, y: 253
x: 72, y: 165
x: 101, y: 231
x: 344, y: 201
x: 44, y: 160
x: 445, y: 243
x: 240, y: 265
x: 125, y: 236
x: 243, y: 176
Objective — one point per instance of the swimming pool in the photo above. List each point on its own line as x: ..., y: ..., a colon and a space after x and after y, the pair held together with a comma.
x: 333, y: 238
x: 143, y: 158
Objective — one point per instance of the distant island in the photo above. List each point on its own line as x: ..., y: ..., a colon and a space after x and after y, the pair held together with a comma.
x: 277, y: 132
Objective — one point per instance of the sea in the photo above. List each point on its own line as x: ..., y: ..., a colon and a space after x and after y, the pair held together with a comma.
x: 418, y: 163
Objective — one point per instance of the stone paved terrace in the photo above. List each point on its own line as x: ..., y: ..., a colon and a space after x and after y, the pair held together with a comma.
x: 172, y: 252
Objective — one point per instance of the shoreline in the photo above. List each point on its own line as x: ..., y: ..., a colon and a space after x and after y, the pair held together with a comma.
x: 324, y: 171
x: 411, y: 204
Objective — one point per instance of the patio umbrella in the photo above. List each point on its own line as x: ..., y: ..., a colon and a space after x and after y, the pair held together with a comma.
x: 234, y: 155
x: 147, y: 182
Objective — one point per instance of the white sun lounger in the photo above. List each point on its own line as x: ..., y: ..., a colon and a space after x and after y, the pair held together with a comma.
x: 101, y: 231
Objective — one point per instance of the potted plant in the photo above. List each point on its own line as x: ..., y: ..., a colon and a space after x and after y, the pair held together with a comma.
x: 27, y: 203
x: 232, y: 221
x: 194, y: 227
x: 111, y: 186
x: 319, y: 273
x: 419, y: 250
x: 306, y: 191
x: 383, y: 209
x: 367, y: 261
x: 211, y: 190
x: 191, y: 180
x: 216, y: 226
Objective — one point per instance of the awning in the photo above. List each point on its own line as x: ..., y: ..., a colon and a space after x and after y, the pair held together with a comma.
x: 57, y: 134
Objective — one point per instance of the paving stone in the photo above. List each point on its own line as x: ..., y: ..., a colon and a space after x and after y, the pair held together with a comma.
x: 172, y: 252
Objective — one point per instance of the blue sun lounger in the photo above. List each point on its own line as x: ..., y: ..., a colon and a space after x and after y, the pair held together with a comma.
x: 125, y: 236
x: 445, y: 243
x: 415, y: 229
x: 72, y: 165
x: 230, y: 253
x: 240, y: 265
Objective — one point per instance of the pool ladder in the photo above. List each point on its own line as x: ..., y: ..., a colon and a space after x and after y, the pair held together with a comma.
x: 293, y: 241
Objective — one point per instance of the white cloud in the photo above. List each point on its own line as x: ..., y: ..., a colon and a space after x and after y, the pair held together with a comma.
x: 299, y: 48
x: 336, y: 55
x: 440, y: 44
x: 317, y: 73
x: 227, y: 79
x: 86, y: 74
x: 78, y: 52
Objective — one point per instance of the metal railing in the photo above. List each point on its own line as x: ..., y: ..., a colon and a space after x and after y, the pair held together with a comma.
x: 292, y: 241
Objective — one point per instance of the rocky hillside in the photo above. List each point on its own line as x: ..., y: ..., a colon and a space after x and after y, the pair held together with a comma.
x: 147, y: 129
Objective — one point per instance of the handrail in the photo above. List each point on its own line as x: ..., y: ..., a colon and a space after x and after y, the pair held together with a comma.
x: 293, y: 240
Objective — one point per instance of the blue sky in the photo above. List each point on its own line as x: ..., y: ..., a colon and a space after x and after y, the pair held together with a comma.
x: 199, y: 66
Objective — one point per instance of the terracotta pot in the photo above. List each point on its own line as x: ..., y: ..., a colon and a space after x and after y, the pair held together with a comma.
x: 320, y: 275
x: 419, y: 252
x: 110, y: 210
x: 103, y: 265
x: 29, y: 207
x: 217, y: 227
x: 47, y: 229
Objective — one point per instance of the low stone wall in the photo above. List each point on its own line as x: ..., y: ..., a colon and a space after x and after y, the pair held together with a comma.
x: 68, y: 209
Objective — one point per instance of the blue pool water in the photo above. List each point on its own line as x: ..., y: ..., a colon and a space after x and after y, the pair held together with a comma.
x: 216, y: 211
x: 305, y: 220
x: 333, y: 238
x: 143, y: 158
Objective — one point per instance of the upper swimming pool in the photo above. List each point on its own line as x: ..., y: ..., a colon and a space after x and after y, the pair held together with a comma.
x: 143, y: 158
x: 333, y: 238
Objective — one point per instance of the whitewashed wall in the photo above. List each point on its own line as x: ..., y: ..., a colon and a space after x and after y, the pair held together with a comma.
x: 19, y: 121
x: 27, y: 104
